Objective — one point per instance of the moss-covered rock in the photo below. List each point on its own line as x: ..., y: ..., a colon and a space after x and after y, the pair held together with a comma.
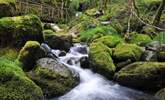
x: 139, y: 39
x: 7, y: 8
x: 17, y: 30
x: 29, y: 54
x: 109, y: 40
x: 54, y: 78
x: 160, y: 94
x: 124, y: 52
x: 142, y: 75
x: 161, y: 56
x: 101, y: 61
x: 9, y: 53
x: 90, y: 34
x: 63, y: 42
x: 48, y: 32
x: 14, y: 85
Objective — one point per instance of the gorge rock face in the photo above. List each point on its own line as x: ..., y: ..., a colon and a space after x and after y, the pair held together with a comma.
x: 16, y: 31
x: 101, y: 61
x: 7, y: 8
x: 15, y: 85
x: 54, y: 78
x: 160, y: 94
x: 142, y: 75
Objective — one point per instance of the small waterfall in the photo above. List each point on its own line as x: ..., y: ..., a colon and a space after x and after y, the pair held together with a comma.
x: 93, y: 86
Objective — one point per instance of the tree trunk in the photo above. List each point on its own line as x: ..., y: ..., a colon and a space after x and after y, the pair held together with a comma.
x: 159, y: 12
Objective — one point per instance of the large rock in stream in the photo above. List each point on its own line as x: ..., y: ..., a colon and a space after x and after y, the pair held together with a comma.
x: 101, y: 61
x: 142, y: 75
x: 17, y: 30
x: 54, y: 78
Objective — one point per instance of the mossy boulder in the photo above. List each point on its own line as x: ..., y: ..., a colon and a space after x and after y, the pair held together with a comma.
x: 48, y: 32
x: 14, y: 85
x: 7, y: 8
x: 142, y: 75
x: 91, y: 34
x: 101, y: 61
x: 123, y: 52
x: 139, y: 39
x: 63, y: 42
x: 160, y: 94
x: 161, y: 56
x: 16, y: 31
x: 54, y: 78
x: 29, y: 54
x: 110, y: 40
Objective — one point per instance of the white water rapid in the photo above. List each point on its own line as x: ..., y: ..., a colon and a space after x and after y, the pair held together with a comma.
x: 93, y: 86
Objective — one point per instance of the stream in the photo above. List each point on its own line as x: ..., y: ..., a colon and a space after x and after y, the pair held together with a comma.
x: 93, y: 86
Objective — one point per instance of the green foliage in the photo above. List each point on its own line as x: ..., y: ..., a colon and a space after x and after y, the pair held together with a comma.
x: 29, y: 54
x: 139, y: 39
x: 160, y: 37
x: 15, y: 85
x: 17, y: 30
x: 100, y: 56
x: 124, y: 52
x: 104, y: 30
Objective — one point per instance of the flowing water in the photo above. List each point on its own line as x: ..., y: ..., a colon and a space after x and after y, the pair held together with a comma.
x: 93, y: 86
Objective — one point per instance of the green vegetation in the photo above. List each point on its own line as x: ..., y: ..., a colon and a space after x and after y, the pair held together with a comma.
x: 15, y: 85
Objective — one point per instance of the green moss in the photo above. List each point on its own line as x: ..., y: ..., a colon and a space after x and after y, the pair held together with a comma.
x: 124, y: 52
x: 89, y: 34
x: 15, y: 85
x: 139, y: 39
x: 29, y: 54
x: 7, y: 8
x: 17, y: 30
x: 52, y: 83
x: 9, y: 53
x: 145, y: 75
x: 49, y: 32
x: 160, y: 94
x: 109, y: 40
x: 100, y: 56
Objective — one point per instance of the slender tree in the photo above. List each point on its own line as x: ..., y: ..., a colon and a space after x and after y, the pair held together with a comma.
x: 159, y: 12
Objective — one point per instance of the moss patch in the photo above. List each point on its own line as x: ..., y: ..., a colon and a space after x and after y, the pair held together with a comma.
x: 124, y: 52
x: 15, y: 85
x: 100, y: 56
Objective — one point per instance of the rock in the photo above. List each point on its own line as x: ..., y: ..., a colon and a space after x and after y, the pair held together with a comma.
x: 85, y: 62
x: 142, y: 75
x: 139, y: 39
x: 161, y: 56
x: 123, y: 52
x: 15, y: 85
x: 160, y: 94
x: 54, y: 78
x: 109, y: 40
x: 59, y: 42
x: 16, y: 31
x: 29, y: 54
x: 7, y: 8
x: 101, y: 61
x: 48, y: 32
x: 121, y: 65
x: 153, y: 46
x: 149, y: 55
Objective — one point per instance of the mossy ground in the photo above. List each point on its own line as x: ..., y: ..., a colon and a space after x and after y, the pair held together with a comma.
x: 15, y: 85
